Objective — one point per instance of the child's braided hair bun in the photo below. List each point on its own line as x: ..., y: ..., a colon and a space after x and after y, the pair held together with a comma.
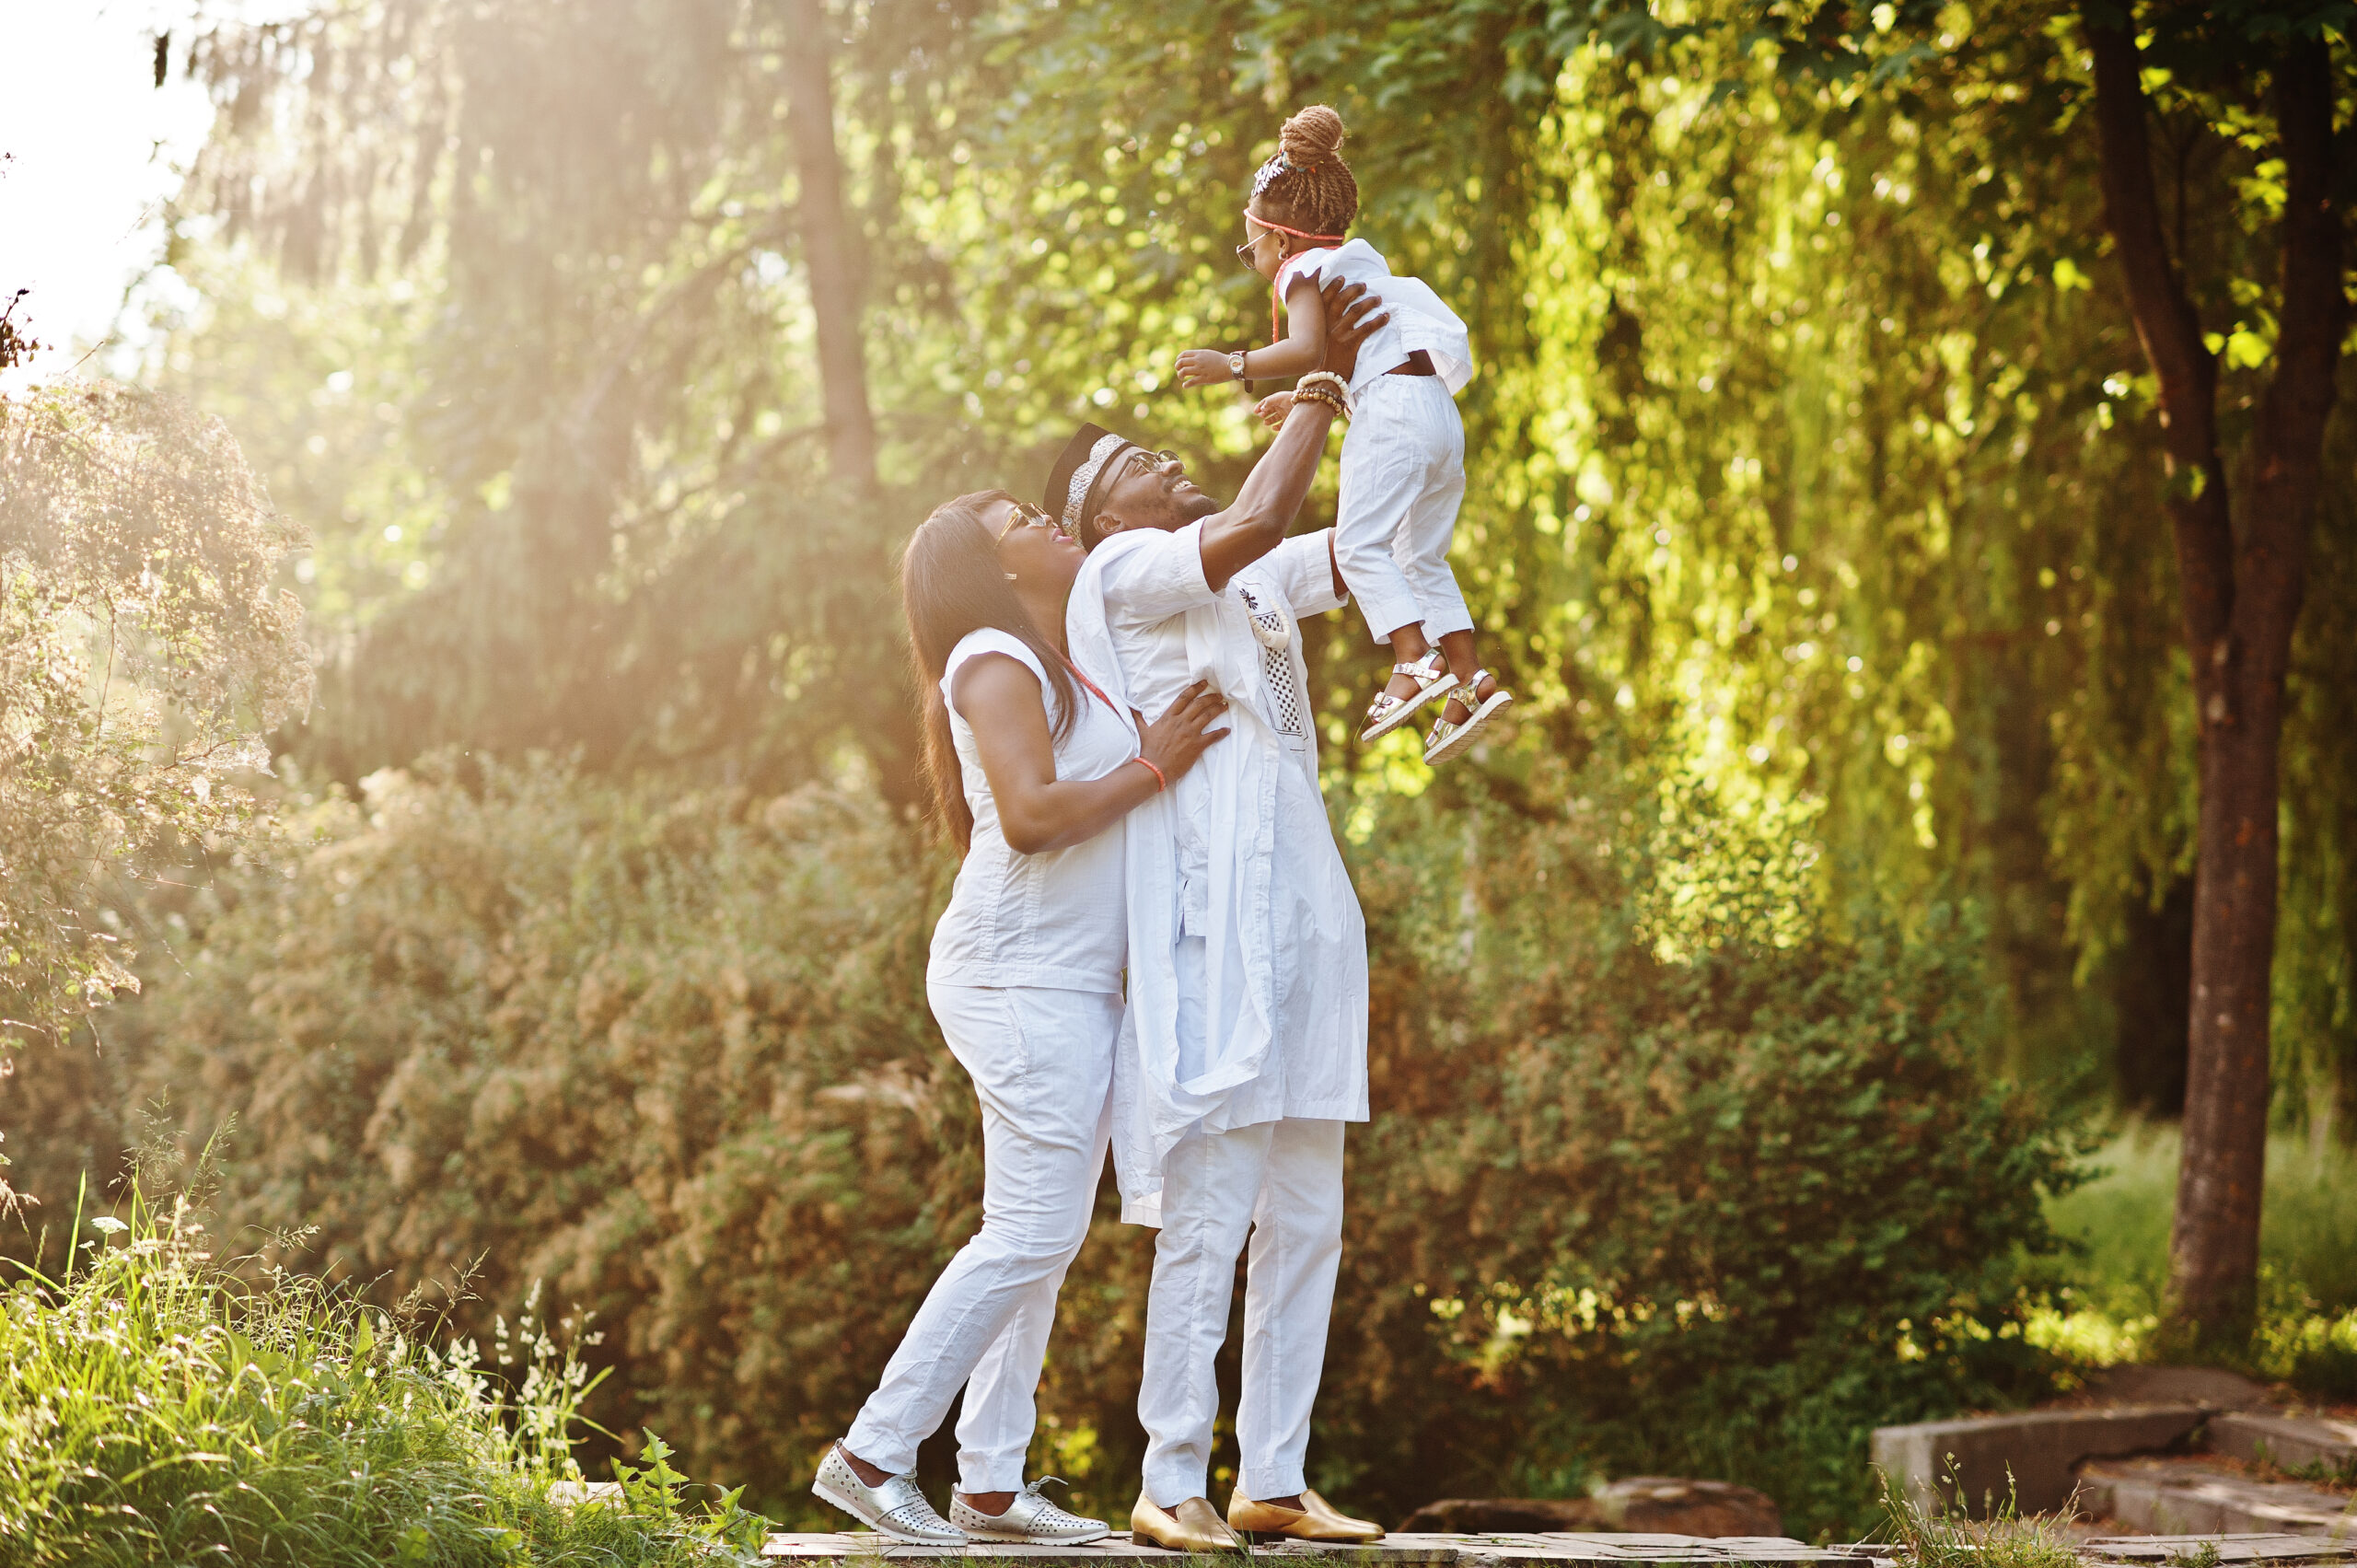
x: 1308, y: 186
x: 1312, y: 137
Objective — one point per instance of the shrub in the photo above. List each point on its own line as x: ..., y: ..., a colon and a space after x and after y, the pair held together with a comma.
x: 1719, y: 1217
x: 156, y: 1408
x: 1718, y: 1213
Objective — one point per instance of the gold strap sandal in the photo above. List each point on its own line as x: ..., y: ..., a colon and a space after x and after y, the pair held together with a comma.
x: 1449, y: 739
x: 1387, y: 712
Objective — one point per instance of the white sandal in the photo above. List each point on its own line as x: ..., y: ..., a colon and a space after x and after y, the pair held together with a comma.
x: 1448, y: 739
x: 1269, y: 622
x: 1387, y: 712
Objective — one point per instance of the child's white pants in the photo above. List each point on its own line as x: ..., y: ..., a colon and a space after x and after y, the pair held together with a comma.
x: 1403, y: 477
x: 1283, y: 1179
x: 1043, y: 1064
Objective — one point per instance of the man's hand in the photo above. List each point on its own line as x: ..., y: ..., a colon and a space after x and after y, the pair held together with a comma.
x: 1349, y: 321
x: 1202, y: 367
x: 1273, y: 408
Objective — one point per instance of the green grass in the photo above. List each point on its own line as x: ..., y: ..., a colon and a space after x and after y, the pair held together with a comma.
x: 156, y: 1408
x: 1945, y: 1535
x: 2107, y: 1310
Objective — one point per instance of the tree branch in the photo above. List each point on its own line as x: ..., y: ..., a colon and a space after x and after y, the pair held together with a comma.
x: 2170, y: 329
x: 2290, y: 435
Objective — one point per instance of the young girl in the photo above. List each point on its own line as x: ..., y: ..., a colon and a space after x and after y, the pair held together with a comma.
x: 1403, y: 462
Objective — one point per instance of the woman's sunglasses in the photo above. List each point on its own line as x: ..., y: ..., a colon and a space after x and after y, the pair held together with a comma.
x: 1022, y: 512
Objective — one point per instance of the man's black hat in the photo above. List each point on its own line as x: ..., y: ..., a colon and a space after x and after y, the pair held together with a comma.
x: 1072, y: 498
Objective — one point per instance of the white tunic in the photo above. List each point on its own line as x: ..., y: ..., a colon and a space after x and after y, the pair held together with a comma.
x: 1419, y: 318
x: 1055, y: 919
x: 1237, y: 858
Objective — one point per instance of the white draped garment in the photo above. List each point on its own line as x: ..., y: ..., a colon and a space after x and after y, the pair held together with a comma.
x: 1248, y: 978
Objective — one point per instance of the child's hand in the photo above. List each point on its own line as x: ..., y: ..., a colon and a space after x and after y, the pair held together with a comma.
x: 1202, y: 367
x: 1273, y: 408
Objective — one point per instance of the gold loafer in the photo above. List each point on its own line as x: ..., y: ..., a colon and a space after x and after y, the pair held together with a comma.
x: 1320, y: 1520
x: 1193, y: 1525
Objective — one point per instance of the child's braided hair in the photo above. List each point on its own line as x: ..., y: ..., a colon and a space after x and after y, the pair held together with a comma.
x: 1308, y: 186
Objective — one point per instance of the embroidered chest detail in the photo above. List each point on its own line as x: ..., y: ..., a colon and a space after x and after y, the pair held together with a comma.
x: 1283, y: 698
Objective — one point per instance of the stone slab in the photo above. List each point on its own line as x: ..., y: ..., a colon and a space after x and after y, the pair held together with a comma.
x: 2212, y: 1387
x: 1717, y: 1510
x: 1555, y: 1548
x: 2034, y: 1454
x: 2290, y: 1442
x: 1565, y: 1548
x: 2190, y: 1498
x: 2166, y: 1550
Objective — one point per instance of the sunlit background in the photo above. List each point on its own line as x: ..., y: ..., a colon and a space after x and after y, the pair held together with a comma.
x: 1757, y: 1021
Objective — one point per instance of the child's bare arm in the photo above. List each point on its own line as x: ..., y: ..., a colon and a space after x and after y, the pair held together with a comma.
x: 1303, y: 348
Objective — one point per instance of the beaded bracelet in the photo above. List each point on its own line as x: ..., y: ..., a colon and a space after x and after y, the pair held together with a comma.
x: 1324, y: 378
x: 1321, y: 395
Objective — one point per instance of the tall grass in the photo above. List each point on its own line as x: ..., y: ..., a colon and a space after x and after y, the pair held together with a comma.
x: 156, y: 1408
x: 2109, y: 1310
x: 1941, y: 1531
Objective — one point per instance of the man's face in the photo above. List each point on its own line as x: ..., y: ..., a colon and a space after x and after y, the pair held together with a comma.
x: 1149, y: 490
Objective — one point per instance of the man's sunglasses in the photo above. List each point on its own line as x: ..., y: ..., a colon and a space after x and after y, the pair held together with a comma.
x: 1130, y: 468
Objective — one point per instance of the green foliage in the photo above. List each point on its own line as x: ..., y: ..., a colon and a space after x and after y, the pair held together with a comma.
x: 2107, y: 1297
x: 1749, y: 289
x: 162, y: 1409
x: 17, y: 344
x: 1718, y: 1214
x: 144, y: 647
x: 669, y: 1055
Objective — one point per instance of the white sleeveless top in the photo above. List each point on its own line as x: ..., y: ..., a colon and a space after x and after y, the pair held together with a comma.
x: 1056, y: 920
x: 1419, y: 318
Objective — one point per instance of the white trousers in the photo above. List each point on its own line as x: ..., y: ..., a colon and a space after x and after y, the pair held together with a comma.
x: 1043, y: 1064
x: 1403, y: 477
x: 1283, y: 1181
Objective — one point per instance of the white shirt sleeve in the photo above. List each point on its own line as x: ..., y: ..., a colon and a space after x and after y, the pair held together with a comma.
x: 1303, y: 569
x: 1156, y: 576
x: 991, y: 640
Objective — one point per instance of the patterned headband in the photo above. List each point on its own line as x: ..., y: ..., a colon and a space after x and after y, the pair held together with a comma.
x: 1277, y: 164
x: 1084, y: 478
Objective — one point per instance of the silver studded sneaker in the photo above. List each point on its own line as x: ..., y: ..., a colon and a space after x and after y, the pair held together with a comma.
x: 896, y: 1508
x: 1031, y: 1518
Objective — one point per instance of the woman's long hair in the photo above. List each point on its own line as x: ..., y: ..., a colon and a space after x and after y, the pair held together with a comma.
x: 951, y: 583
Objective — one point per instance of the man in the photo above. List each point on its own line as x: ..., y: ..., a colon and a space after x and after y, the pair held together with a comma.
x: 1244, y: 1049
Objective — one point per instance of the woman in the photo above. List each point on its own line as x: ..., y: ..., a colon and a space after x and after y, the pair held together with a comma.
x: 1033, y: 768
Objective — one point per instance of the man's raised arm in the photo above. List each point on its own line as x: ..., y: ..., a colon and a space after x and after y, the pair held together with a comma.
x: 1272, y: 494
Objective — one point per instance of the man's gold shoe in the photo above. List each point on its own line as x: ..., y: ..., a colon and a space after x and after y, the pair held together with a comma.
x: 1193, y: 1525
x: 1320, y: 1520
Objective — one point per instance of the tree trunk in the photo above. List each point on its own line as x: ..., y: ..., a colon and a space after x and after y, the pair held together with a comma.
x: 827, y: 247
x: 2240, y: 601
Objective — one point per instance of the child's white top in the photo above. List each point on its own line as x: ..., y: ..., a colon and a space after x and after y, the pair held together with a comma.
x: 1058, y: 918
x: 1419, y: 319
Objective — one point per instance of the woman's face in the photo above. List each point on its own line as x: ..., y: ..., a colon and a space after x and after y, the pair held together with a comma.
x: 1263, y: 250
x: 1038, y: 554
